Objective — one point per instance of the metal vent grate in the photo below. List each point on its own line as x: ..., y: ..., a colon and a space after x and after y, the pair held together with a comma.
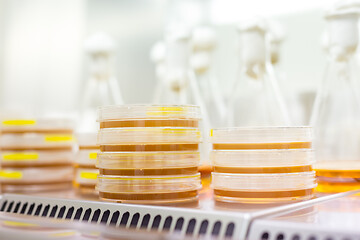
x: 275, y: 230
x: 186, y: 221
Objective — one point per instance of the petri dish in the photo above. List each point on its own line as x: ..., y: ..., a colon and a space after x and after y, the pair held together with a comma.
x: 149, y: 189
x: 40, y: 158
x: 87, y: 140
x: 261, y: 138
x: 85, y: 180
x: 149, y: 135
x: 336, y: 185
x: 338, y: 169
x: 40, y: 125
x: 36, y: 187
x: 149, y: 116
x: 262, y: 161
x: 149, y: 147
x: 86, y: 157
x: 263, y: 188
x: 33, y: 179
x: 148, y: 163
x: 37, y: 141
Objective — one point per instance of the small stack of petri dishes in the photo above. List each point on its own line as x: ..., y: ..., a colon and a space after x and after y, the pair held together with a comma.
x: 263, y: 164
x: 37, y: 155
x: 149, y: 154
x: 85, y: 164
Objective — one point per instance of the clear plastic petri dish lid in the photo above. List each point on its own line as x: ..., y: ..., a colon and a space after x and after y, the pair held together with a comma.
x: 36, y: 175
x: 262, y: 158
x: 148, y: 184
x: 39, y: 125
x: 37, y: 141
x: 148, y: 160
x: 86, y: 157
x: 86, y: 176
x: 263, y: 182
x: 148, y: 135
x: 87, y: 140
x: 261, y: 134
x: 136, y: 111
x: 36, y: 158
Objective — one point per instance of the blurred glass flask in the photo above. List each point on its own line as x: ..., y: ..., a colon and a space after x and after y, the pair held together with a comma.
x: 336, y: 113
x: 101, y: 86
x: 203, y: 45
x: 176, y: 80
x: 256, y: 100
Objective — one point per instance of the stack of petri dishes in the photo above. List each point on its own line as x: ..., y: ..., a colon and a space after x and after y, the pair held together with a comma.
x: 262, y: 165
x: 37, y: 155
x: 85, y: 164
x: 337, y: 176
x: 149, y: 154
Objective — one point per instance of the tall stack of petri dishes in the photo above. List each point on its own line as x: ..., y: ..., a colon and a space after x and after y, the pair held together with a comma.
x: 262, y: 165
x: 37, y: 155
x: 149, y: 154
x: 85, y: 164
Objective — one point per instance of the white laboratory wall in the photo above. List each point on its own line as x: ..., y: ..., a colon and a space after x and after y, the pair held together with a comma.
x: 43, y: 60
x: 2, y: 27
x: 135, y: 26
x: 42, y: 55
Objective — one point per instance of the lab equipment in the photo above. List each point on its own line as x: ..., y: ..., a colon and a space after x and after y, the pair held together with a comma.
x: 85, y: 161
x: 256, y: 99
x: 203, y: 46
x: 37, y: 154
x: 262, y: 165
x: 102, y: 86
x: 149, y: 154
x: 336, y: 112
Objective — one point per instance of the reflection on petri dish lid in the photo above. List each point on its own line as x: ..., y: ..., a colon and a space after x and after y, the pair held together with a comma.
x: 121, y: 160
x: 261, y: 135
x: 37, y: 141
x: 258, y: 182
x: 86, y: 157
x: 40, y: 125
x: 149, y: 189
x: 119, y: 112
x: 118, y: 136
x: 36, y: 158
x: 262, y: 158
x: 36, y: 175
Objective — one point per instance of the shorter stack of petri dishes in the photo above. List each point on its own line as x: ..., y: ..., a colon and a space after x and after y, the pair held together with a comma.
x: 262, y: 165
x: 37, y: 155
x: 85, y: 164
x: 149, y: 154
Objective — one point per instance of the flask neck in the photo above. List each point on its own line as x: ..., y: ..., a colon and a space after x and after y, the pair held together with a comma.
x: 101, y: 66
x: 339, y: 71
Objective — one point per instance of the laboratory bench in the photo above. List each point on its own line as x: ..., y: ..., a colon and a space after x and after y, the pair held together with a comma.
x: 65, y: 215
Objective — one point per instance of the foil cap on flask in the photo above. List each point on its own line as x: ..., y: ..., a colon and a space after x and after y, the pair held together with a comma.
x: 204, y: 39
x: 253, y: 42
x: 343, y: 32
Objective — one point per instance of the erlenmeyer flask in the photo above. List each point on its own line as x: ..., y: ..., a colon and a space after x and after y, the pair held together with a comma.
x: 204, y: 43
x: 102, y: 86
x: 336, y: 113
x: 256, y: 100
x: 179, y: 82
x: 294, y: 103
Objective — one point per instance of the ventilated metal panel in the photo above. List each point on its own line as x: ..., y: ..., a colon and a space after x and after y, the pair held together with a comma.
x: 187, y: 222
x: 277, y: 230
